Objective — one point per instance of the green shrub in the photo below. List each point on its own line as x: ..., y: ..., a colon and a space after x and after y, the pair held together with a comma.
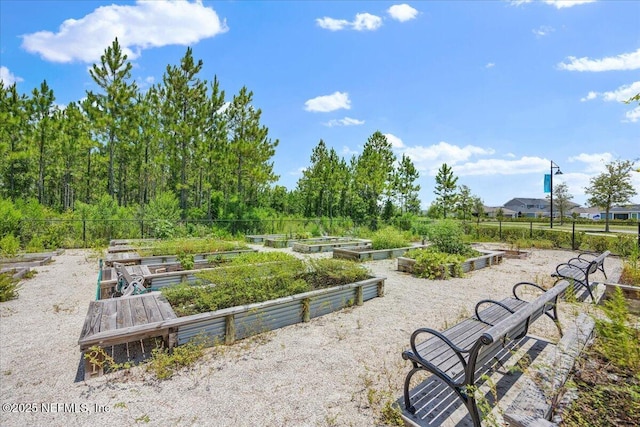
x: 163, y: 213
x: 619, y: 342
x: 388, y: 238
x: 35, y: 245
x: 9, y: 246
x: 190, y: 246
x: 432, y: 264
x: 8, y: 287
x: 446, y: 236
x: 11, y: 217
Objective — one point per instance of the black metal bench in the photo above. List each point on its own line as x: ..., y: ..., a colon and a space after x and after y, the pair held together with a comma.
x: 461, y: 355
x: 577, y: 273
x: 586, y: 258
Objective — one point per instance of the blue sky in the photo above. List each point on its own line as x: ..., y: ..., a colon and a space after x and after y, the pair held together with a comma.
x: 496, y: 89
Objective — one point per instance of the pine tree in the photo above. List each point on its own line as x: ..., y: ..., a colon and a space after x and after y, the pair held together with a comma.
x: 445, y: 189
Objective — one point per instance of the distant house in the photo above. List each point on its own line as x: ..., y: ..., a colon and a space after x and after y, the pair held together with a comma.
x: 534, y: 208
x: 491, y: 212
x: 590, y: 213
x: 622, y: 212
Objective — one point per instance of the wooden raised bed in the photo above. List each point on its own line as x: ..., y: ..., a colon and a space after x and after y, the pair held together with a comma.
x: 512, y: 254
x: 315, y: 245
x: 487, y: 260
x: 368, y: 254
x: 631, y: 295
x: 219, y: 326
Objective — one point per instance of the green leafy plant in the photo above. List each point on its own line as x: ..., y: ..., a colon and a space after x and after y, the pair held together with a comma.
x: 446, y: 236
x: 388, y: 238
x: 8, y: 287
x: 9, y: 246
x: 431, y: 264
x: 189, y: 246
x: 631, y: 269
x: 164, y: 363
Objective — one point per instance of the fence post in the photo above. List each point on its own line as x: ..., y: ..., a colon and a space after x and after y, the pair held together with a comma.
x: 142, y: 228
x: 573, y: 236
x: 84, y: 232
x: 500, y: 232
x: 531, y: 229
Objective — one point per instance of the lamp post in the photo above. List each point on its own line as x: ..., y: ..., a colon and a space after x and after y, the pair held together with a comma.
x: 558, y: 172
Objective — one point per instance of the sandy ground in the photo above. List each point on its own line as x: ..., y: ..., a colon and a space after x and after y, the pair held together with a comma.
x: 336, y: 370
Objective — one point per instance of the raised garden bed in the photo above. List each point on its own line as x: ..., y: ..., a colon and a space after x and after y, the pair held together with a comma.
x: 235, y: 323
x: 260, y: 238
x: 133, y: 258
x: 488, y: 259
x: 513, y: 254
x: 316, y: 245
x: 368, y: 254
x: 631, y: 295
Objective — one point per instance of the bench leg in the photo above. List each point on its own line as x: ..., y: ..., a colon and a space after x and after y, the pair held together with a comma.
x: 407, y: 382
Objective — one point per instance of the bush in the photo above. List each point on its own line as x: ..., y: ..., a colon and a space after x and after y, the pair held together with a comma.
x: 165, y: 363
x: 163, y: 213
x: 431, y: 264
x: 446, y: 236
x: 388, y: 238
x: 8, y: 287
x: 9, y: 246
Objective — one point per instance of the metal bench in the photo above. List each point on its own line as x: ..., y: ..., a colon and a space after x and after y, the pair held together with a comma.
x: 460, y: 356
x: 578, y: 274
x: 128, y: 284
x: 585, y: 258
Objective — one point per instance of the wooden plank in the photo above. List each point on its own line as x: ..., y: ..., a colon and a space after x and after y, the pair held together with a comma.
x: 152, y: 310
x: 138, y: 313
x: 108, y: 318
x: 124, y: 313
x: 92, y: 321
x: 166, y: 312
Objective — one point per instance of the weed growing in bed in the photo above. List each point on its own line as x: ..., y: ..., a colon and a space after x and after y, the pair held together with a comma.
x: 431, y: 264
x: 631, y: 269
x: 164, y: 363
x: 8, y: 287
x: 252, y: 283
x: 190, y: 246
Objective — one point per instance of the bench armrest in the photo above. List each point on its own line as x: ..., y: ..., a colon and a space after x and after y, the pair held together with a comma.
x: 521, y: 284
x: 438, y: 335
x: 490, y: 301
x: 566, y: 265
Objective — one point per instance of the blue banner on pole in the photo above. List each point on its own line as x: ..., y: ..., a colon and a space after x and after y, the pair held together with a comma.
x: 547, y: 183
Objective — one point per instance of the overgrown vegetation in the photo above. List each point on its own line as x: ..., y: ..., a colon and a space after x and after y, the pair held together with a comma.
x: 241, y: 284
x: 631, y: 269
x: 8, y: 287
x: 608, y: 374
x: 432, y: 264
x: 389, y: 238
x: 189, y: 246
x: 164, y: 363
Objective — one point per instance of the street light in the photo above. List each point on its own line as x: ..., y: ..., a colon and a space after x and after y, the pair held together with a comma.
x: 558, y: 172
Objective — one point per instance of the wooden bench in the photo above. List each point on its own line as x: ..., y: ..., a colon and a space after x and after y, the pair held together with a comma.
x: 586, y: 258
x: 461, y: 355
x: 578, y: 274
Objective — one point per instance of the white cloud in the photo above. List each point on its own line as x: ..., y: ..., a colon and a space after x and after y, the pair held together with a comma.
x: 394, y: 140
x: 361, y: 22
x: 593, y: 163
x: 348, y: 152
x: 298, y: 172
x: 591, y: 95
x: 332, y: 24
x: 523, y: 165
x: 430, y: 158
x: 8, y: 78
x: 402, y: 12
x: 347, y: 121
x: 543, y: 30
x: 490, y: 65
x: 633, y: 115
x: 366, y: 21
x: 327, y: 103
x: 624, y: 61
x: 558, y: 4
x: 144, y: 25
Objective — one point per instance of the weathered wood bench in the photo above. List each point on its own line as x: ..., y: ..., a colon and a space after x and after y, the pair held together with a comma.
x: 461, y: 355
x: 578, y: 275
x: 586, y: 258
